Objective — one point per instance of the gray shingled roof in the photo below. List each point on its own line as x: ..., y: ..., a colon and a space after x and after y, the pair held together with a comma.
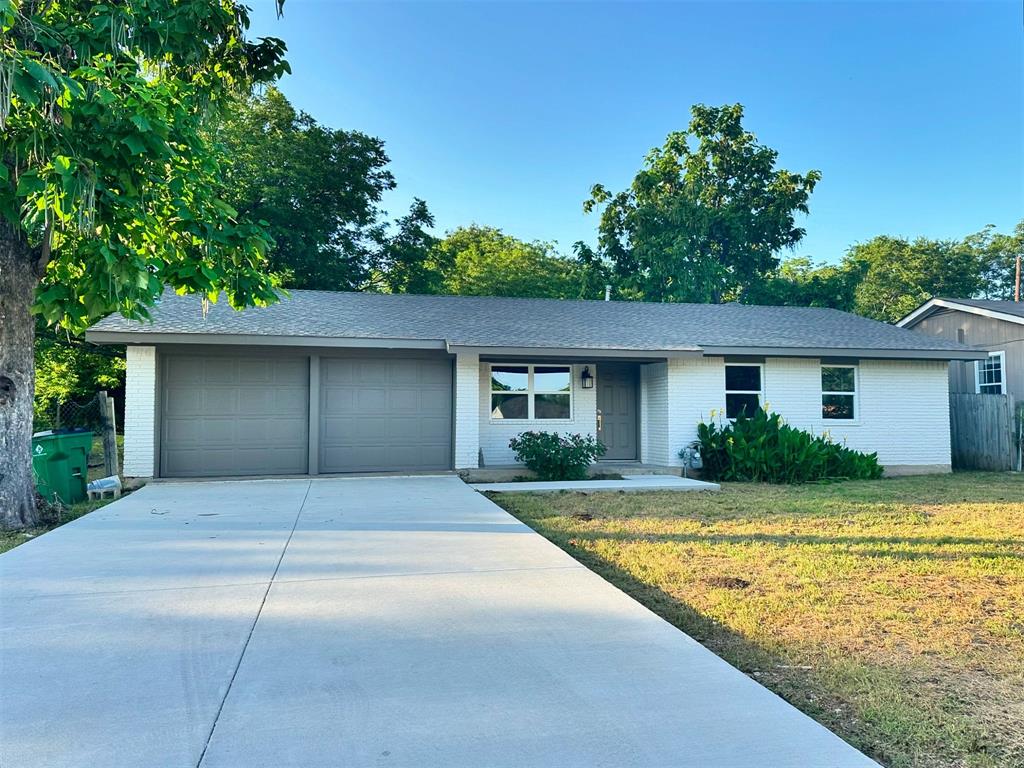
x: 470, y: 321
x: 1006, y: 307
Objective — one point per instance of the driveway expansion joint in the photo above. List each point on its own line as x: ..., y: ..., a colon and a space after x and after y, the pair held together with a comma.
x: 252, y: 628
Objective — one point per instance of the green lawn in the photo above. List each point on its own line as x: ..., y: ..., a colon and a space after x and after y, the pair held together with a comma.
x: 892, y: 611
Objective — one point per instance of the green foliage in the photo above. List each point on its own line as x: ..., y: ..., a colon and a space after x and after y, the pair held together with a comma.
x: 556, y: 457
x: 484, y: 261
x: 998, y: 253
x: 900, y: 275
x: 705, y: 217
x: 763, y: 448
x: 69, y: 369
x: 317, y: 189
x: 108, y: 185
x: 799, y: 282
x: 405, y: 264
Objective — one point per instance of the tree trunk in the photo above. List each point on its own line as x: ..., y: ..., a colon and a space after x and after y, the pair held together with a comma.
x: 18, y: 282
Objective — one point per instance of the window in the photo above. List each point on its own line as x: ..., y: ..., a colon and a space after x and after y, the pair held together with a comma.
x: 989, y: 375
x: 742, y: 390
x: 838, y: 392
x: 531, y: 392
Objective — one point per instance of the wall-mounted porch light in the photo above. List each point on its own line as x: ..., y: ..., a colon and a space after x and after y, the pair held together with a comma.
x: 586, y: 379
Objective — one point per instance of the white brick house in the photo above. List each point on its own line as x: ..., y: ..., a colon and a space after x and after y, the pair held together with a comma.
x: 340, y: 382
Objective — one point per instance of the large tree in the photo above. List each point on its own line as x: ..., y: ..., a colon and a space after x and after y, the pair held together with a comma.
x: 899, y: 274
x: 318, y: 189
x: 800, y: 282
x: 1001, y: 256
x: 706, y: 216
x: 484, y: 261
x: 109, y: 189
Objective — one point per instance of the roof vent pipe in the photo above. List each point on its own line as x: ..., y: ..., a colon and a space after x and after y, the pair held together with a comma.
x: 607, y: 293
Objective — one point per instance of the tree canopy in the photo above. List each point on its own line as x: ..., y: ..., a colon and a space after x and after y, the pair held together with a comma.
x: 109, y: 187
x: 706, y: 216
x: 317, y: 188
x: 899, y: 275
x: 484, y: 261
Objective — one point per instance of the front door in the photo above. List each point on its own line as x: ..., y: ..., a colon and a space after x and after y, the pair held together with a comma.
x: 617, y: 410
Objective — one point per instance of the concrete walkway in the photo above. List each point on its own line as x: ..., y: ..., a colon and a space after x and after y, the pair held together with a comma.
x: 628, y: 484
x: 354, y: 622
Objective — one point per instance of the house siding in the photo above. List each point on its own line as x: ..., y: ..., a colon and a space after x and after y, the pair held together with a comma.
x: 495, y: 433
x: 140, y: 412
x: 987, y: 333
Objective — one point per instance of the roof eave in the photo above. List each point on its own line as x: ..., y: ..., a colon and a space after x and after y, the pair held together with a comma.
x: 931, y: 305
x: 250, y: 340
x: 861, y: 352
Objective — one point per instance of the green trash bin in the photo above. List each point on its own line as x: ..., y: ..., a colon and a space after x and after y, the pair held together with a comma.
x: 60, y: 461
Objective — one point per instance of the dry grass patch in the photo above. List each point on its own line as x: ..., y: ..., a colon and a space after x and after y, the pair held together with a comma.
x: 891, y: 610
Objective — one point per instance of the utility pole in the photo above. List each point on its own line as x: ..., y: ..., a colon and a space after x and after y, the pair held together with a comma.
x: 1016, y: 281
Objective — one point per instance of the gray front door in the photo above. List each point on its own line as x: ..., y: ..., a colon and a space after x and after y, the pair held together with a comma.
x: 617, y: 410
x: 234, y: 415
x: 385, y: 414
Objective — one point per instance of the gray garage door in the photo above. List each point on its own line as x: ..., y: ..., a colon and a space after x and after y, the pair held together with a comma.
x: 224, y: 415
x: 379, y: 414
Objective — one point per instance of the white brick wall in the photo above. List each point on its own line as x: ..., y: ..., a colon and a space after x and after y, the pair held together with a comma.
x: 904, y: 406
x: 654, y: 413
x: 467, y: 411
x: 139, y: 411
x: 495, y: 433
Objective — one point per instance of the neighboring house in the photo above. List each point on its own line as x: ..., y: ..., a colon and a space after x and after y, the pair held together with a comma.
x: 994, y: 326
x: 352, y: 382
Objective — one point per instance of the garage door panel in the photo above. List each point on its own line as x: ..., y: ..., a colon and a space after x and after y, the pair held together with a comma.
x: 220, y: 371
x: 220, y: 401
x: 373, y: 373
x: 437, y: 430
x: 291, y: 403
x: 407, y: 400
x: 385, y: 414
x: 288, y: 371
x: 372, y: 399
x: 338, y: 400
x: 256, y: 401
x: 234, y: 415
x: 256, y: 371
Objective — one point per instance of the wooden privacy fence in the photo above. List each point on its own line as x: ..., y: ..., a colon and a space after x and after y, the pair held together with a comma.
x: 983, y: 432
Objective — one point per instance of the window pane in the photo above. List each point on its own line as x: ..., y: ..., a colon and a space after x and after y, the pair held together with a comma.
x: 509, y: 407
x: 551, y: 379
x: 737, y: 404
x: 837, y: 406
x: 991, y: 389
x: 837, y: 379
x: 551, y: 407
x: 509, y: 378
x: 743, y: 377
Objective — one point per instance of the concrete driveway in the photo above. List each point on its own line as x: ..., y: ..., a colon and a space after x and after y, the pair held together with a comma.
x: 355, y: 622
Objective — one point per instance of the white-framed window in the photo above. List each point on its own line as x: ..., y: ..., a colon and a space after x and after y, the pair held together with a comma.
x: 524, y: 392
x: 990, y: 375
x: 839, y: 392
x: 744, y: 388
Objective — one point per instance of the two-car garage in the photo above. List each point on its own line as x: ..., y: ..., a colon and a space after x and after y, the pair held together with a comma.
x: 270, y: 413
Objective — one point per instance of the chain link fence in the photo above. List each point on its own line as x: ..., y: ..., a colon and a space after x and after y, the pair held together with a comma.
x: 95, y: 414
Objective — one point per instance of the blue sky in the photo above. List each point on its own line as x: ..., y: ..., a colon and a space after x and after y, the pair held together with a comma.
x: 506, y: 113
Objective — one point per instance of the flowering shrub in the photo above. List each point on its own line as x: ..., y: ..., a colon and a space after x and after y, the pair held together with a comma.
x: 556, y: 457
x: 763, y: 448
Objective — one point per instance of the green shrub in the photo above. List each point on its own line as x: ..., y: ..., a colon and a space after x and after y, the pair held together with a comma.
x: 556, y: 457
x: 764, y: 448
